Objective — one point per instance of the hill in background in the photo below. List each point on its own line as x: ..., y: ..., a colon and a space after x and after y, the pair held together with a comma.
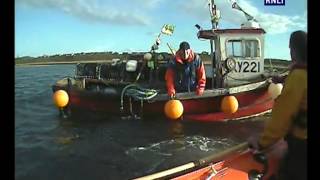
x: 98, y: 56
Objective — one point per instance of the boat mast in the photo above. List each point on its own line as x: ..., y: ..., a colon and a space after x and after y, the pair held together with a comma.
x: 214, y: 15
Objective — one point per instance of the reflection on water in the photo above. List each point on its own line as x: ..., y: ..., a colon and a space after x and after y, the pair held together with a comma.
x: 47, y: 147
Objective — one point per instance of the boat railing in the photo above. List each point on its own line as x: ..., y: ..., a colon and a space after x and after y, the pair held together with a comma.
x: 216, y: 92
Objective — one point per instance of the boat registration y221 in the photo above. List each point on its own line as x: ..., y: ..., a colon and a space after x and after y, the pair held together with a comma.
x: 248, y: 66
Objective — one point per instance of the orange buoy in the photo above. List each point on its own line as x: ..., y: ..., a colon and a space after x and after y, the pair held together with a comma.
x: 60, y: 98
x: 173, y: 109
x: 229, y: 104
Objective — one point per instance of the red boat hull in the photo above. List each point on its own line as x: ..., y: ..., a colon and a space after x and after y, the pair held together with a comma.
x: 236, y: 163
x: 251, y: 103
x: 238, y: 166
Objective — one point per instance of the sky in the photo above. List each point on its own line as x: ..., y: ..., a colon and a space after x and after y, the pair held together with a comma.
x: 49, y: 27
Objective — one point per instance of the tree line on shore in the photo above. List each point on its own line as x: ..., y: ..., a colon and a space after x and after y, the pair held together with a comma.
x: 92, y: 56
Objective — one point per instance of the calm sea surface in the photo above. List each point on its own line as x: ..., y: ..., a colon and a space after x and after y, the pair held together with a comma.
x: 51, y: 148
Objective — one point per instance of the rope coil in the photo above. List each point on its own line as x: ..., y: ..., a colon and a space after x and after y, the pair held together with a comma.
x: 137, y: 93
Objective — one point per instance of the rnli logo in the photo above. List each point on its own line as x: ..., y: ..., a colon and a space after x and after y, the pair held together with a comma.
x: 274, y: 2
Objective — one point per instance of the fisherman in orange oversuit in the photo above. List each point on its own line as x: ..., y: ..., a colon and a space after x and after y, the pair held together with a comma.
x: 185, y: 73
x: 289, y: 114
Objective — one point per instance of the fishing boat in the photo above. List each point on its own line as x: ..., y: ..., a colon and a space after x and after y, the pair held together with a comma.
x: 236, y: 163
x: 136, y: 87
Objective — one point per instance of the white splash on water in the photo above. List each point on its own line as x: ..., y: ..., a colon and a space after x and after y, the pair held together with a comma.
x: 184, y: 144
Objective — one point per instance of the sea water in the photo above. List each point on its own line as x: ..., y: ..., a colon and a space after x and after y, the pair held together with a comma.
x: 51, y: 148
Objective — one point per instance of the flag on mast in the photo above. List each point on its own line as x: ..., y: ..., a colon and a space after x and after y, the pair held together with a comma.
x: 167, y: 29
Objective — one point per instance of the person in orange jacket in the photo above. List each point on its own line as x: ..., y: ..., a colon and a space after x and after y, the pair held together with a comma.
x: 185, y: 73
x: 289, y: 114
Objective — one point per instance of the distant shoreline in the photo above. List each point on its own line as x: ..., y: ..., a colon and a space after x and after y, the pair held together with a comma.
x: 106, y: 57
x: 60, y: 62
x: 274, y: 62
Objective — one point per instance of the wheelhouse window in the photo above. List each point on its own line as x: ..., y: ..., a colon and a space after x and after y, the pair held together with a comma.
x: 234, y: 48
x: 251, y: 48
x: 243, y: 48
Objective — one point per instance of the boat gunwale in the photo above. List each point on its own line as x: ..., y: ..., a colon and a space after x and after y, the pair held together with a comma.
x: 208, y: 93
x: 215, y: 92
